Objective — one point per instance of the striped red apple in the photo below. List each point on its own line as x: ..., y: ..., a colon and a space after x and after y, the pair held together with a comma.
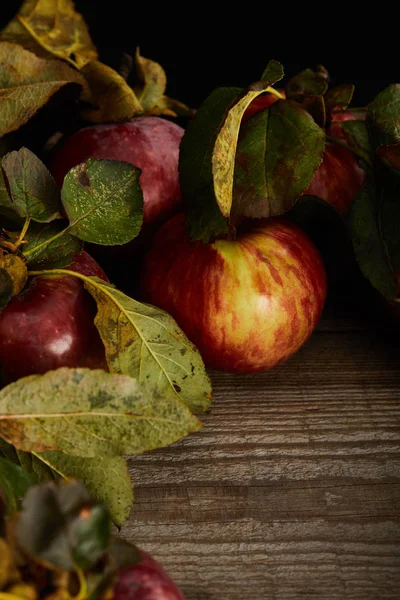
x: 248, y: 304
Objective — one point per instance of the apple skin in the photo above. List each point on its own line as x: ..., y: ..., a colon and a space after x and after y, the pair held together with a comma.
x: 260, y: 103
x: 150, y: 143
x: 50, y: 325
x: 247, y: 304
x: 146, y: 580
x: 339, y: 177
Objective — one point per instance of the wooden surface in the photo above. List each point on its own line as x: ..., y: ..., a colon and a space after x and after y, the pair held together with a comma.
x: 292, y: 489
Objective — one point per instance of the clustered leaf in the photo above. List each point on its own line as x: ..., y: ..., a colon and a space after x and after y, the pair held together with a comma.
x: 50, y: 27
x: 27, y: 83
x: 50, y: 247
x: 291, y: 144
x: 59, y: 545
x: 33, y: 191
x: 14, y: 482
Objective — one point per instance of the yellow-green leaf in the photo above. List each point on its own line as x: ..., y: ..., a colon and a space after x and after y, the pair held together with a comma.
x: 173, y: 108
x: 112, y: 98
x: 105, y: 477
x: 88, y: 412
x: 207, y: 155
x: 27, y: 83
x: 146, y: 343
x: 56, y: 27
x: 13, y: 277
x: 152, y: 81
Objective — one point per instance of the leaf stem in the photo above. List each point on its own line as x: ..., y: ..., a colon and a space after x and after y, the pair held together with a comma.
x: 275, y: 92
x: 83, y: 590
x: 20, y: 239
x: 45, y: 243
x: 338, y: 142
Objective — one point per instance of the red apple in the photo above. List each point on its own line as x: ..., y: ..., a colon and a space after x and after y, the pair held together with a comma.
x: 146, y: 580
x: 339, y: 177
x: 247, y: 304
x: 150, y: 143
x: 260, y: 103
x: 50, y: 325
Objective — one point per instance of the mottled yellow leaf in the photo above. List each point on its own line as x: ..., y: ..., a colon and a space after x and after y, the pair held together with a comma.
x: 27, y: 83
x: 223, y: 159
x: 111, y: 96
x: 152, y: 81
x: 54, y: 26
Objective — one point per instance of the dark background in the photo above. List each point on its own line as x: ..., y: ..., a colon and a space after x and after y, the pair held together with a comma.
x: 202, y: 46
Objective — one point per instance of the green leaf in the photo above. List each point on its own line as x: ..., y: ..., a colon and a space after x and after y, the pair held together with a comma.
x: 27, y: 83
x: 390, y: 156
x: 13, y: 277
x: 369, y: 247
x: 314, y: 105
x: 205, y: 219
x: 207, y: 156
x: 308, y: 82
x: 55, y: 28
x: 105, y: 477
x: 14, y: 482
x: 33, y: 191
x: 59, y: 526
x: 5, y: 199
x: 273, y: 72
x: 146, y: 343
x: 104, y: 201
x: 8, y: 451
x: 339, y: 97
x: 49, y: 247
x: 390, y: 221
x: 97, y: 414
x: 383, y: 116
x: 279, y: 150
x: 356, y: 137
x: 90, y: 536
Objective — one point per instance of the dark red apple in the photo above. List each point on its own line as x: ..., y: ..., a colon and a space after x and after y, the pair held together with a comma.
x: 150, y: 143
x: 50, y: 325
x: 247, y: 304
x: 146, y: 580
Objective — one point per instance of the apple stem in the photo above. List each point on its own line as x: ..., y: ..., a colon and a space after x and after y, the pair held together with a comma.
x: 338, y: 142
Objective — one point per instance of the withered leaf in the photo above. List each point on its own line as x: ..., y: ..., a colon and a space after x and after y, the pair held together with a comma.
x: 27, y: 83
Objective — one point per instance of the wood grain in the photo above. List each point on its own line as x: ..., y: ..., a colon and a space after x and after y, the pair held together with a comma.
x: 292, y: 489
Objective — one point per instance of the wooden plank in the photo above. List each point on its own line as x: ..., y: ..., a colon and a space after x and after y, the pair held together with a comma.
x: 292, y: 489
